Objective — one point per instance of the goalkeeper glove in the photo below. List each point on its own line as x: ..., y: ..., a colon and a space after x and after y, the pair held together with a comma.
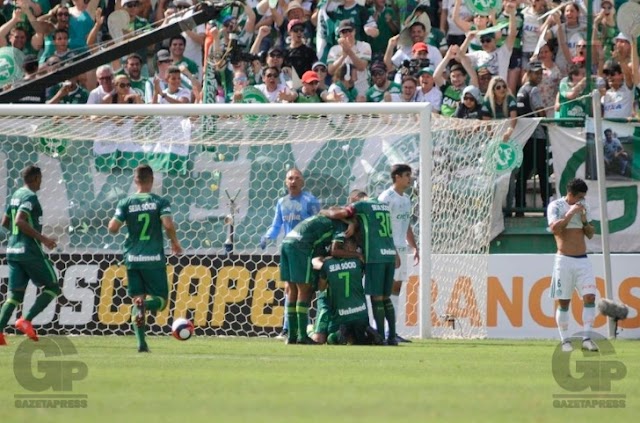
x: 263, y: 242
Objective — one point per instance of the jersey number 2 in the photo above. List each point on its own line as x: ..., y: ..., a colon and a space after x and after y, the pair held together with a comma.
x: 144, y: 235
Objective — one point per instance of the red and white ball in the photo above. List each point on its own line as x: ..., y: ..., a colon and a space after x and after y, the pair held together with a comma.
x: 182, y: 329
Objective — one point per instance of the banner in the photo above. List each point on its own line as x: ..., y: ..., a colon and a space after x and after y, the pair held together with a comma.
x: 574, y: 157
x: 244, y: 297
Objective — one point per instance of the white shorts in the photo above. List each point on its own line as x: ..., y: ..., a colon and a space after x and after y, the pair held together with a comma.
x: 400, y: 273
x: 571, y: 273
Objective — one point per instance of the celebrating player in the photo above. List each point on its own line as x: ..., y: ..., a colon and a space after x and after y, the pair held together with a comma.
x: 145, y: 214
x: 346, y: 315
x: 569, y: 220
x: 27, y: 261
x: 400, y: 209
x: 380, y: 255
x: 298, y: 248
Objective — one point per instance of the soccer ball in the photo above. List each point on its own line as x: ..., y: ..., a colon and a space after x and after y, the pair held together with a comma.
x: 182, y: 329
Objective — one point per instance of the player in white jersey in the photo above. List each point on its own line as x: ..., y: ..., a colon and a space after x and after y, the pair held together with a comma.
x: 400, y: 210
x: 570, y: 221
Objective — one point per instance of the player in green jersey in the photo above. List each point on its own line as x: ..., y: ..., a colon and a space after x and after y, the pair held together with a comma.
x: 346, y: 305
x: 380, y: 256
x: 26, y: 259
x: 299, y: 246
x: 145, y: 214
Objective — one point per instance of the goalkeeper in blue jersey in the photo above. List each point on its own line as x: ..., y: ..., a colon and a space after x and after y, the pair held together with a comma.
x: 291, y: 209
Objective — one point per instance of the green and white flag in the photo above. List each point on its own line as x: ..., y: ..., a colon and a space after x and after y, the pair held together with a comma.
x: 10, y: 65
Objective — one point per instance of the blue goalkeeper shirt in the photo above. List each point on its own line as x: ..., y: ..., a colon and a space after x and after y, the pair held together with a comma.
x: 292, y: 210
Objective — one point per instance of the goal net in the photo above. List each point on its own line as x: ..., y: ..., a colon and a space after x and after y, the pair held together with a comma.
x: 223, y: 167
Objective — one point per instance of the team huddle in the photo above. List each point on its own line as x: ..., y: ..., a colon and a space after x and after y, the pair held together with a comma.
x: 331, y: 252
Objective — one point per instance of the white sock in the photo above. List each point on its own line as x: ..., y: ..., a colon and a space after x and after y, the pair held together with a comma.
x: 588, y: 315
x: 562, y: 319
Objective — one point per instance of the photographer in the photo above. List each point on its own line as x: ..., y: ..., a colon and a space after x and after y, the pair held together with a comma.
x: 68, y: 92
x: 419, y: 60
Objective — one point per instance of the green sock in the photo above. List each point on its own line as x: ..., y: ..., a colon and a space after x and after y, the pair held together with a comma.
x: 390, y: 316
x: 14, y: 299
x: 139, y: 331
x: 153, y: 304
x: 302, y: 311
x: 293, y: 322
x: 377, y: 308
x: 43, y: 300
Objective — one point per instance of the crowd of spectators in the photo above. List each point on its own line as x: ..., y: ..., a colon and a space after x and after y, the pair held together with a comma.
x: 529, y: 58
x: 326, y: 51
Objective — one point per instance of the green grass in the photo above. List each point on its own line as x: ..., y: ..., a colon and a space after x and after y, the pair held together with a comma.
x: 259, y: 380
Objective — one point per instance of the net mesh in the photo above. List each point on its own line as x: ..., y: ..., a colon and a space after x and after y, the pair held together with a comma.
x: 222, y: 169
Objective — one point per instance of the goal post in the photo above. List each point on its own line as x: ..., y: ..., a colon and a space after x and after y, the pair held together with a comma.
x: 222, y: 167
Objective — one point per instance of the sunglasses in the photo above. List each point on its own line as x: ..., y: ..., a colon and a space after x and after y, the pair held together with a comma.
x: 469, y: 98
x: 297, y: 29
x: 239, y: 80
x: 62, y: 14
x: 500, y: 87
x: 124, y: 85
x: 132, y: 4
x: 271, y: 75
x: 378, y: 73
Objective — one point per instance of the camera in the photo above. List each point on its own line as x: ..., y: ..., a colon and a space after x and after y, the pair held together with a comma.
x: 235, y: 51
x: 413, y: 66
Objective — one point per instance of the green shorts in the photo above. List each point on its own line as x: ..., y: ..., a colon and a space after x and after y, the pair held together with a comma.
x: 378, y: 279
x: 40, y: 272
x: 148, y: 282
x: 295, y: 264
x: 322, y: 316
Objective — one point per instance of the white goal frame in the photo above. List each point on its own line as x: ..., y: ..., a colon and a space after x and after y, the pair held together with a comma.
x: 422, y: 110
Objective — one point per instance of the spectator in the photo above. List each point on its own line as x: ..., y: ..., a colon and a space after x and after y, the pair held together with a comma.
x: 240, y: 82
x: 408, y: 94
x: 531, y: 29
x: 618, y: 100
x: 30, y: 69
x: 417, y: 34
x: 57, y: 18
x: 388, y: 25
x: 419, y: 52
x: 495, y: 58
x: 81, y: 21
x: 123, y: 93
x: 104, y: 75
x: 282, y: 18
x: 428, y: 92
x: 60, y: 46
x: 323, y: 73
x: 605, y: 31
x: 177, y: 45
x: 298, y: 55
x: 136, y: 24
x: 272, y: 89
x: 499, y: 103
x: 343, y: 85
x: 551, y: 78
x: 132, y: 68
x: 616, y: 160
x: 484, y: 77
x: 479, y: 23
x: 68, y: 92
x: 310, y: 91
x: 514, y: 72
x: 356, y: 53
x: 174, y: 93
x: 455, y: 35
x: 381, y: 84
x: 194, y: 38
x: 568, y: 33
x: 18, y: 35
x: 471, y: 105
x: 452, y: 89
x: 535, y: 150
x: 571, y: 87
x: 164, y: 62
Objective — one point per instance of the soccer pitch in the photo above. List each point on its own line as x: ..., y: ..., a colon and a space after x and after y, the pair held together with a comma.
x: 226, y: 380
